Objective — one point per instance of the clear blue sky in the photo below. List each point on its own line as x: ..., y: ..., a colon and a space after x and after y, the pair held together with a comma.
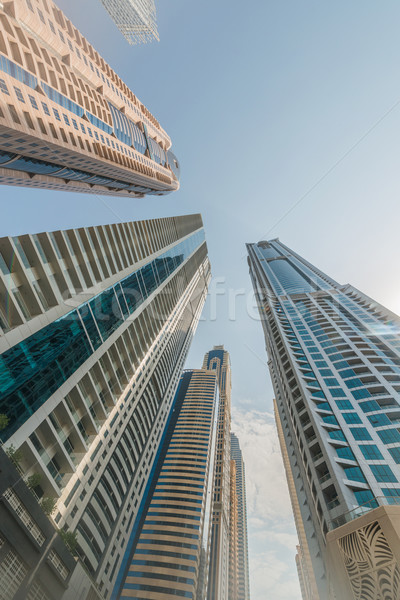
x: 263, y: 102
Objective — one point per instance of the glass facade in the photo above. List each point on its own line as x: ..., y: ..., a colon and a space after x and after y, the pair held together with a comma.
x: 31, y: 371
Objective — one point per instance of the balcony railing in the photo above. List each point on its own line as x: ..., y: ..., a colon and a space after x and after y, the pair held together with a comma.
x: 362, y: 509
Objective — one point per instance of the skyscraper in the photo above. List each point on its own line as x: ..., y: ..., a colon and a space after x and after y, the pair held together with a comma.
x: 243, y: 592
x: 136, y: 19
x: 218, y: 588
x: 96, y: 325
x: 334, y: 359
x: 67, y: 121
x: 172, y: 541
x: 233, y: 538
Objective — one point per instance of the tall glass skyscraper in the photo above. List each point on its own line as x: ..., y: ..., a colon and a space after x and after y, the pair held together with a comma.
x: 218, y: 360
x: 96, y: 324
x: 171, y: 545
x: 334, y: 359
x: 243, y: 585
x: 67, y: 121
x: 136, y: 19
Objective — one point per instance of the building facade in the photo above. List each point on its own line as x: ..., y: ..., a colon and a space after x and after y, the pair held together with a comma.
x: 35, y: 563
x: 96, y: 325
x: 67, y: 121
x: 233, y: 537
x: 172, y: 545
x: 243, y: 586
x: 136, y: 19
x: 334, y: 359
x: 218, y: 360
x: 308, y: 585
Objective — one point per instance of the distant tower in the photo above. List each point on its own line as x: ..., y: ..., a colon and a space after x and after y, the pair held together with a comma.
x: 243, y: 558
x: 334, y: 359
x: 136, y: 19
x: 171, y: 550
x: 233, y: 541
x: 218, y: 360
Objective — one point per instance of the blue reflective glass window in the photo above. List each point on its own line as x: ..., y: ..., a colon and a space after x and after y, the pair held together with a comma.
x: 344, y: 405
x: 366, y: 497
x: 392, y: 495
x: 56, y: 114
x: 3, y: 87
x: 389, y: 436
x: 360, y: 433
x: 371, y: 452
x: 369, y: 406
x: 352, y: 418
x: 395, y: 452
x: 90, y: 325
x: 354, y: 474
x: 337, y: 393
x: 45, y: 108
x: 19, y: 94
x: 330, y: 420
x: 331, y: 382
x: 106, y: 311
x: 33, y: 102
x: 337, y: 435
x: 345, y: 453
x: 379, y: 420
x: 361, y: 394
x: 352, y: 383
x: 326, y: 373
x: 8, y: 66
x: 383, y: 473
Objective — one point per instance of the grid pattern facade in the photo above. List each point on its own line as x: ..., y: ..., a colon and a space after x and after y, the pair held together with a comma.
x: 88, y: 404
x: 67, y: 121
x: 172, y: 551
x: 233, y: 540
x: 243, y: 586
x: 136, y: 19
x: 219, y: 361
x: 334, y: 358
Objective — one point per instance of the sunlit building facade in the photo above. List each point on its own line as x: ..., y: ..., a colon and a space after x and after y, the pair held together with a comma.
x: 136, y: 19
x: 171, y: 549
x: 218, y: 360
x: 67, y: 121
x: 334, y: 359
x: 96, y: 324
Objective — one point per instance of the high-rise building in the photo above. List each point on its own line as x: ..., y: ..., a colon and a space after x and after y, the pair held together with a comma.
x: 334, y: 359
x: 233, y: 537
x: 96, y: 325
x: 136, y: 19
x: 67, y: 121
x: 171, y: 545
x: 243, y: 586
x: 218, y: 588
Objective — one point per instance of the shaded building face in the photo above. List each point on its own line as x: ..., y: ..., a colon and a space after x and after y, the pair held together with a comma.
x: 172, y: 544
x: 96, y: 326
x: 67, y: 121
x: 334, y: 358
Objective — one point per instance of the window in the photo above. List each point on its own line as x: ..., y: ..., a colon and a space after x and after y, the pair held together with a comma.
x: 344, y: 405
x: 392, y: 495
x: 345, y: 453
x: 395, y: 452
x: 379, y: 420
x: 56, y: 114
x: 45, y: 108
x: 41, y: 16
x: 337, y: 393
x: 52, y: 27
x: 61, y: 36
x: 360, y: 433
x: 383, y: 473
x: 24, y: 515
x: 66, y: 119
x: 12, y: 573
x: 33, y: 102
x: 389, y: 436
x: 19, y: 95
x: 366, y: 497
x: 371, y: 452
x: 3, y: 87
x: 369, y: 406
x: 354, y: 474
x: 352, y: 418
x: 58, y: 564
x: 361, y: 394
